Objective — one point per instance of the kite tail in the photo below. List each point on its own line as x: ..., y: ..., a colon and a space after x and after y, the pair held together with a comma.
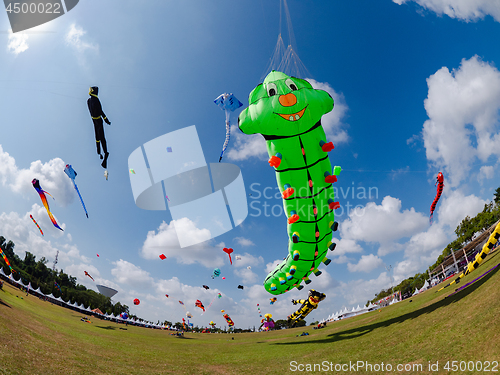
x: 81, y: 199
x: 46, y: 192
x: 228, y: 135
x: 46, y: 205
x: 54, y: 221
x: 479, y: 257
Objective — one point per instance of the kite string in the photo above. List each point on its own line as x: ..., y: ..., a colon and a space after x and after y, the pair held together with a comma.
x: 209, y: 306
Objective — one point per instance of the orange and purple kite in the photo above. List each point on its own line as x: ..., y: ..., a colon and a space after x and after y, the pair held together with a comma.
x: 41, y: 192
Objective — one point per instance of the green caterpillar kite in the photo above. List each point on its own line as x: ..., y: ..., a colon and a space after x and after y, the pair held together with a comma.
x: 287, y: 111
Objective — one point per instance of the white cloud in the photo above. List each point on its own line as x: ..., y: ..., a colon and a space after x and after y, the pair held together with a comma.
x: 130, y: 274
x: 78, y: 271
x: 464, y: 117
x: 346, y: 246
x: 333, y: 121
x: 454, y: 207
x: 246, y: 275
x: 74, y: 39
x: 367, y: 263
x: 466, y: 10
x: 247, y: 260
x: 272, y: 265
x: 166, y: 242
x: 486, y: 172
x: 244, y: 241
x: 17, y: 43
x: 51, y: 176
x: 246, y: 146
x: 360, y: 291
x: 27, y: 238
x: 323, y: 282
x: 384, y: 224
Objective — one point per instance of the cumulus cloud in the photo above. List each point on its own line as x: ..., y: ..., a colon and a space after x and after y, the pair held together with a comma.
x: 463, y: 107
x: 246, y: 146
x: 244, y: 241
x: 367, y: 263
x: 332, y: 122
x: 165, y: 241
x: 466, y: 10
x: 247, y: 260
x: 384, y: 224
x: 360, y: 291
x: 75, y: 39
x: 247, y: 276
x: 456, y: 206
x: 486, y: 172
x: 78, y: 271
x: 346, y: 246
x: 27, y: 238
x: 51, y: 175
x: 17, y: 43
x: 130, y: 274
x: 272, y: 265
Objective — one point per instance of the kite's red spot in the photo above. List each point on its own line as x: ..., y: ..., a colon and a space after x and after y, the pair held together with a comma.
x: 287, y: 193
x: 334, y: 205
x: 327, y: 147
x: 292, y: 219
x: 274, y: 161
x: 330, y: 179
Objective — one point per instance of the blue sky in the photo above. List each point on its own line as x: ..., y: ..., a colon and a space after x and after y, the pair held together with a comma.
x: 416, y: 89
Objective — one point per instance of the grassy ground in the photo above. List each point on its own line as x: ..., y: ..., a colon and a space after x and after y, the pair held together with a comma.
x: 37, y: 337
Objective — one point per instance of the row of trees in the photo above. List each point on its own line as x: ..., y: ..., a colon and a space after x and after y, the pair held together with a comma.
x: 465, y: 232
x: 43, y: 277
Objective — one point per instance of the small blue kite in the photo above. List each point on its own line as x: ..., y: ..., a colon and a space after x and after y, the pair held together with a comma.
x: 228, y: 103
x: 72, y: 174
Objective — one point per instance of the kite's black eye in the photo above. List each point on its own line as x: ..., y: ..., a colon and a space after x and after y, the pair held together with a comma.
x: 271, y: 89
x: 291, y: 85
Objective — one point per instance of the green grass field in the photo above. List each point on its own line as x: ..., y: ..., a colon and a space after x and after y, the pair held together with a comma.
x: 37, y: 337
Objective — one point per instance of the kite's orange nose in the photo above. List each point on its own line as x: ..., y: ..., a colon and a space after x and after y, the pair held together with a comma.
x: 288, y: 100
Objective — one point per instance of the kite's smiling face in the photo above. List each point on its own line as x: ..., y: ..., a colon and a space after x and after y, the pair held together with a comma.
x: 284, y: 106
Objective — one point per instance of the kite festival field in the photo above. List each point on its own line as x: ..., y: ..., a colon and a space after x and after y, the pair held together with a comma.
x: 425, y: 334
